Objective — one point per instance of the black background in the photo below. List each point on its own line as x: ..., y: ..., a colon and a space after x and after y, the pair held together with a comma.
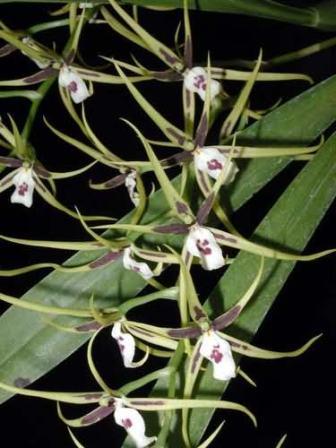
x: 293, y: 396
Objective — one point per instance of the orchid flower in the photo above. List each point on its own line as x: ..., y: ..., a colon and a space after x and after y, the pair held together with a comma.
x: 28, y: 174
x: 115, y: 250
x: 211, y: 344
x: 179, y: 68
x: 125, y: 410
x: 69, y: 79
x: 53, y: 64
x: 209, y: 161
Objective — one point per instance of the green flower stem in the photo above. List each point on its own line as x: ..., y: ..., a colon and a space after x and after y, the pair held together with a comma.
x: 134, y: 385
x: 174, y: 364
x: 42, y: 91
x: 45, y: 26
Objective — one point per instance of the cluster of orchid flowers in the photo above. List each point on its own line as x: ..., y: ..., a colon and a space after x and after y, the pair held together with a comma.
x: 128, y: 242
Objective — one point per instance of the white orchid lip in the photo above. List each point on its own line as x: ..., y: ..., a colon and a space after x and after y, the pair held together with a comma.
x: 195, y: 80
x: 73, y: 82
x: 201, y: 243
x: 132, y: 421
x: 210, y: 160
x: 24, y: 187
x: 130, y: 184
x: 140, y: 267
x: 126, y: 344
x: 218, y: 351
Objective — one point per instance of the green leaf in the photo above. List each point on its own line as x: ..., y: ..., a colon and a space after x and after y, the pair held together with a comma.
x: 322, y: 16
x: 311, y: 192
x: 29, y: 347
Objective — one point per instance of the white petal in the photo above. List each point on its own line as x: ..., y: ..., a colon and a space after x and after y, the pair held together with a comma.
x: 126, y: 344
x: 140, y: 267
x: 74, y: 83
x: 130, y: 183
x: 195, y: 80
x: 218, y: 351
x: 132, y: 421
x: 202, y: 244
x: 24, y: 187
x: 212, y: 161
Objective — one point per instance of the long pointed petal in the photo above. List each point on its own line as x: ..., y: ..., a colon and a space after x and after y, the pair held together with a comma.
x: 235, y: 241
x: 174, y: 134
x: 88, y: 419
x: 177, y: 204
x: 231, y: 315
x: 160, y: 50
x: 165, y: 404
x: 255, y: 352
x: 240, y: 104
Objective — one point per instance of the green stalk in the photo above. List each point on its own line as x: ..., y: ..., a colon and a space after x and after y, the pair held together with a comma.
x: 174, y: 365
x: 42, y: 90
x: 143, y: 381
